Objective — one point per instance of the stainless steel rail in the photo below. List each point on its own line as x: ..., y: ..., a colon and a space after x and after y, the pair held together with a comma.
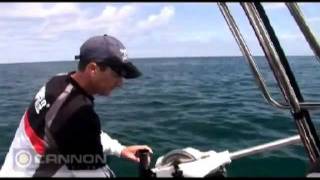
x: 265, y: 147
x: 309, y: 141
x: 289, y: 90
x: 246, y: 53
x: 254, y: 68
x: 272, y: 56
x: 308, y: 34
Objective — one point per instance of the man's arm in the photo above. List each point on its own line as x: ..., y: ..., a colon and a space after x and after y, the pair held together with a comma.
x: 113, y: 147
x: 110, y: 146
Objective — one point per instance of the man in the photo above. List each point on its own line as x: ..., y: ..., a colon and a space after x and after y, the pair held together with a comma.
x: 60, y: 133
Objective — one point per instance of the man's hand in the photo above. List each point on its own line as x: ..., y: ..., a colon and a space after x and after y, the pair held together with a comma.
x: 131, y: 152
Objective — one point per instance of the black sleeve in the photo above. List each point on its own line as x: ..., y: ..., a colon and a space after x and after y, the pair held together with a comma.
x: 79, y: 138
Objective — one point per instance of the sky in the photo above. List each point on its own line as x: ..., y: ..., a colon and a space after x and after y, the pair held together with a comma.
x: 34, y: 32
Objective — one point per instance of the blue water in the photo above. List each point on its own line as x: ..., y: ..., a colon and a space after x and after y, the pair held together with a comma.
x: 205, y: 103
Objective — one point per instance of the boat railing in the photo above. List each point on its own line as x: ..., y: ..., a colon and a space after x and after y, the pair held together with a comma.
x: 212, y: 163
x: 307, y: 32
x: 255, y: 69
x: 265, y: 147
x: 280, y: 67
x: 248, y: 56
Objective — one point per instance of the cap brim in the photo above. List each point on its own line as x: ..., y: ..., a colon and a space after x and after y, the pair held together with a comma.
x: 130, y: 71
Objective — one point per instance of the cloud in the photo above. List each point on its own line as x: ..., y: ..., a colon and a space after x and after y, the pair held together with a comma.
x: 154, y: 21
x: 40, y: 17
x: 274, y: 6
x: 39, y: 10
x: 288, y: 36
x: 279, y: 6
x: 313, y: 19
x: 35, y: 25
x: 113, y: 20
x: 58, y: 18
x: 118, y: 21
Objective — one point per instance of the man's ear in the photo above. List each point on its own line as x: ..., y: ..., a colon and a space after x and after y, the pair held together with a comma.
x: 92, y: 67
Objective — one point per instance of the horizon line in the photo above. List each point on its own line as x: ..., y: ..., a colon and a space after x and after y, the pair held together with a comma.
x: 135, y: 58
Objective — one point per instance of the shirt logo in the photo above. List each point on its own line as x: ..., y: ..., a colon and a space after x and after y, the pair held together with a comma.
x: 40, y: 99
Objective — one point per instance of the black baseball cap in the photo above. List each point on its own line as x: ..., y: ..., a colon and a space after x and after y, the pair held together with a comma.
x: 109, y: 51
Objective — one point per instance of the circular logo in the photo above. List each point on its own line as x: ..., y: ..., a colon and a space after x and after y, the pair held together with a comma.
x: 23, y: 158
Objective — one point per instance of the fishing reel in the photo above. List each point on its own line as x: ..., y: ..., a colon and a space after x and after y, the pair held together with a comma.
x: 187, y: 162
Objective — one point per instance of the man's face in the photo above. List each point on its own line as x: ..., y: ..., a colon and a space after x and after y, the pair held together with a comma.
x: 106, y: 80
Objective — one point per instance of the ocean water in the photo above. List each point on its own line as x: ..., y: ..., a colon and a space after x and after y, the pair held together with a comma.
x: 208, y: 103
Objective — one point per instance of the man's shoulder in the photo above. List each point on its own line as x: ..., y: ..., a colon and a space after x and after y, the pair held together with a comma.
x: 58, y: 79
x: 55, y: 86
x: 60, y: 76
